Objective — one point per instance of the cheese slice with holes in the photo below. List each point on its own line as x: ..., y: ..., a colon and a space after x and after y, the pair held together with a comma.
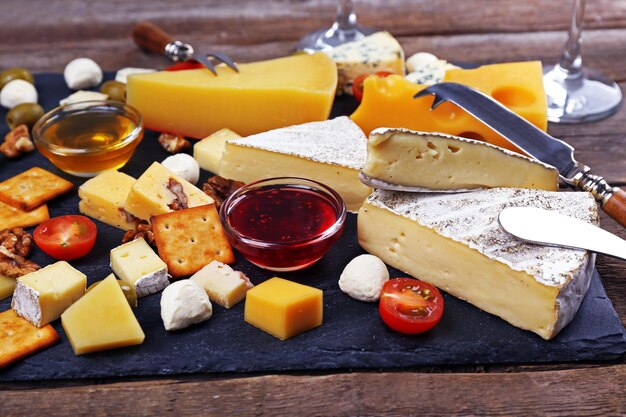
x: 103, y: 198
x: 443, y: 162
x: 454, y: 241
x: 136, y: 263
x: 331, y: 152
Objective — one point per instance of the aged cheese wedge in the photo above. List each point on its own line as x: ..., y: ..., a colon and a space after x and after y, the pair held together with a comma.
x: 103, y: 198
x: 454, y: 241
x: 331, y: 152
x: 154, y: 192
x: 136, y: 263
x: 442, y: 162
x: 42, y: 296
x: 261, y: 96
x: 208, y: 152
x: 7, y: 285
x: 222, y: 284
x: 102, y: 320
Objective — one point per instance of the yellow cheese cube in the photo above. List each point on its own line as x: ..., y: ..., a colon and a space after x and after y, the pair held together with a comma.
x: 42, y: 296
x: 150, y: 195
x: 102, y: 320
x: 208, y: 152
x: 284, y: 308
x: 261, y: 96
x: 103, y: 198
x: 7, y: 285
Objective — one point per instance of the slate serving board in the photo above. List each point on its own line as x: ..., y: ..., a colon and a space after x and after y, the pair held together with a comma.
x: 352, y: 336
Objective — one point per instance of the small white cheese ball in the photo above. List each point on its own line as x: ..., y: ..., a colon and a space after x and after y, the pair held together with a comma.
x: 363, y: 278
x: 419, y: 60
x: 82, y: 73
x: 184, y: 166
x: 17, y: 92
x: 184, y: 303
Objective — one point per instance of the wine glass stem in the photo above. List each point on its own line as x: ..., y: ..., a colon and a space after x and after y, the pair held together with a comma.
x: 346, y: 17
x: 571, y: 60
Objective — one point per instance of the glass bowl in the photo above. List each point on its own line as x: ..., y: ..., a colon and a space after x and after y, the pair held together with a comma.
x: 285, y: 223
x: 89, y: 137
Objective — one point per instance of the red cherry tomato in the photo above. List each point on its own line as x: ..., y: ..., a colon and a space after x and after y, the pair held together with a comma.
x: 66, y: 237
x: 187, y: 65
x: 357, y: 84
x: 410, y: 306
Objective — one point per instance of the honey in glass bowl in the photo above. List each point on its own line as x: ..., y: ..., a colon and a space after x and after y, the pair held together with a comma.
x: 86, y: 138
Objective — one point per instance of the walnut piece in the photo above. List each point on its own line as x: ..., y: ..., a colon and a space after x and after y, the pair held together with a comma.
x: 220, y: 188
x: 15, y: 246
x: 143, y: 231
x: 174, y: 143
x: 17, y: 142
x: 181, y: 201
x: 17, y: 241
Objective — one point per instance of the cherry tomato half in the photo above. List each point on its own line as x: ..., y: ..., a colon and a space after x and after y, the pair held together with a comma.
x: 357, y: 84
x: 410, y: 306
x: 66, y: 237
x: 187, y: 65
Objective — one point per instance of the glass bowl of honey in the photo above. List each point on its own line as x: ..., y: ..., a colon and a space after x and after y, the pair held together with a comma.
x: 285, y: 223
x: 89, y: 137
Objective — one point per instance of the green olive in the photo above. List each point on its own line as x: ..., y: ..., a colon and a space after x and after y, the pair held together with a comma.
x: 127, y: 289
x: 115, y: 90
x: 24, y: 114
x: 11, y: 74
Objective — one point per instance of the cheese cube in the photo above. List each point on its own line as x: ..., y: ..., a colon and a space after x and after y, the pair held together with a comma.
x: 42, y: 296
x: 103, y: 198
x: 152, y: 193
x: 102, y: 320
x: 7, y: 285
x: 284, y: 308
x: 223, y: 285
x: 208, y: 152
x: 136, y: 263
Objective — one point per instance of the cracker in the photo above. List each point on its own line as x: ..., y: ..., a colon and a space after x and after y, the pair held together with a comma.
x: 19, y: 338
x: 32, y: 188
x: 13, y: 217
x: 189, y: 239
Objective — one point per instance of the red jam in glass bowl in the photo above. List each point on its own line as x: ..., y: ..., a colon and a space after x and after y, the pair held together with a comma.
x: 283, y: 224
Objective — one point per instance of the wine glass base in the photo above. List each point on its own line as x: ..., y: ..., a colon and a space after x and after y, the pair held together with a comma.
x: 327, y: 39
x: 584, y: 98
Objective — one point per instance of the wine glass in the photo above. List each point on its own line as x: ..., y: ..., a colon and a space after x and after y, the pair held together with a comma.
x: 576, y: 95
x: 343, y: 30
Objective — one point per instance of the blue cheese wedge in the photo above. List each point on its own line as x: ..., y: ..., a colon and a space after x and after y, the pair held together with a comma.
x: 377, y: 52
x: 426, y: 69
x: 455, y: 242
x: 137, y: 264
x: 331, y: 152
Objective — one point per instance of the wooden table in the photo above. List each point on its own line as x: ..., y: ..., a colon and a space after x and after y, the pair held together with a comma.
x: 44, y: 35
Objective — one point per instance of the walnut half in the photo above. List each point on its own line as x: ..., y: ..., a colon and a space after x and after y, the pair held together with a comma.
x: 15, y: 246
x: 174, y: 143
x: 143, y: 231
x: 17, y: 142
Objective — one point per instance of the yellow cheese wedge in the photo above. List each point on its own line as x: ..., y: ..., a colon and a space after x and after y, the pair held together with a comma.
x: 208, y: 152
x: 102, y: 320
x: 222, y: 284
x: 103, y: 198
x: 262, y: 96
x: 284, y: 308
x: 7, y: 285
x: 388, y: 102
x: 150, y: 195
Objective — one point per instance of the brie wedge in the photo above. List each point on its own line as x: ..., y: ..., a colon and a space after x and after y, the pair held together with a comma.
x: 438, y: 161
x: 454, y: 241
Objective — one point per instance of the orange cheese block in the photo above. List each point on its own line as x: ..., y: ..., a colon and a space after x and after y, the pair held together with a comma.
x: 388, y: 102
x: 262, y: 96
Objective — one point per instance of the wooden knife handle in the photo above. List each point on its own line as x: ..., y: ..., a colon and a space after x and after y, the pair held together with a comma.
x: 150, y: 37
x: 616, y: 206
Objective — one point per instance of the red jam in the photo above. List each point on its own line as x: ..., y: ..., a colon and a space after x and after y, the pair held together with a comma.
x: 282, y: 227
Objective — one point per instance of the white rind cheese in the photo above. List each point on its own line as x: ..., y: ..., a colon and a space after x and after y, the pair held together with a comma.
x: 377, y: 52
x: 184, y: 303
x: 137, y: 264
x: 454, y: 241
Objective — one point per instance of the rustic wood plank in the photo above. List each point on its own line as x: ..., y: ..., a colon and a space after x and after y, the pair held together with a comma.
x: 557, y: 393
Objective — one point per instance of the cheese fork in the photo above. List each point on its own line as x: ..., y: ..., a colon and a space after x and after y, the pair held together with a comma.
x: 550, y: 228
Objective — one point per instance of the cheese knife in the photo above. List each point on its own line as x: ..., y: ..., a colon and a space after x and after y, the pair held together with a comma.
x: 554, y: 229
x: 533, y: 141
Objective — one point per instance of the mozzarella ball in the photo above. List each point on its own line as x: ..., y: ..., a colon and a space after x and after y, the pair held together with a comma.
x: 82, y: 73
x: 17, y: 92
x: 184, y: 166
x: 419, y: 60
x: 363, y: 278
x: 184, y: 303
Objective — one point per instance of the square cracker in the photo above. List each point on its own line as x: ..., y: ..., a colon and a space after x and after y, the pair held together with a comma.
x: 13, y: 217
x: 32, y: 188
x: 19, y: 338
x: 191, y: 238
